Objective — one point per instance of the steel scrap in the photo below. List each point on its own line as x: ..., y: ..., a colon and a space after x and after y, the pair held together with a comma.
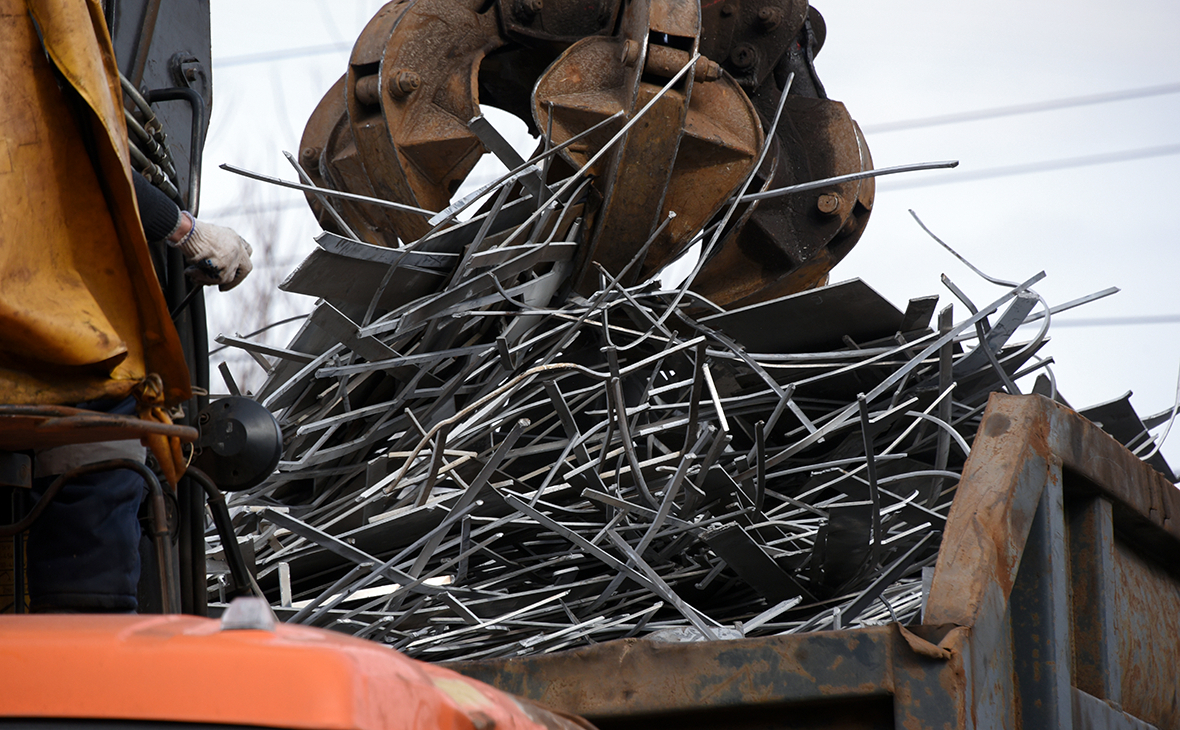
x: 506, y: 436
x: 471, y: 472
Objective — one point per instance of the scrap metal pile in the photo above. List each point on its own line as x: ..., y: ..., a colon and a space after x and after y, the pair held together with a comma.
x: 476, y: 474
x: 505, y: 437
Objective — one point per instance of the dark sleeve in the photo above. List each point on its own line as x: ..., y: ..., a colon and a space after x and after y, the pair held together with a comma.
x: 157, y: 212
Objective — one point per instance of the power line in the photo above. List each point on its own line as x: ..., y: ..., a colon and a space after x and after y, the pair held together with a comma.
x: 1035, y: 167
x: 968, y: 176
x: 1117, y: 321
x: 281, y: 54
x: 1030, y: 108
x: 241, y: 210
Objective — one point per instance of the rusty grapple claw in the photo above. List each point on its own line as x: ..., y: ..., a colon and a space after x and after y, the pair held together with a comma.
x: 695, y: 88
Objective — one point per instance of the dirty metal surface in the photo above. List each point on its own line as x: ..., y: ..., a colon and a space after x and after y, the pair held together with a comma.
x: 1147, y: 622
x: 749, y: 38
x: 873, y: 670
x: 789, y: 244
x: 1021, y: 438
x: 693, y: 148
x: 1046, y: 542
x: 396, y: 127
x: 329, y: 158
x: 503, y: 441
x: 39, y: 427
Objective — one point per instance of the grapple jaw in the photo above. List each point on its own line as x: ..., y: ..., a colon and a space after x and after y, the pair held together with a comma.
x: 398, y: 126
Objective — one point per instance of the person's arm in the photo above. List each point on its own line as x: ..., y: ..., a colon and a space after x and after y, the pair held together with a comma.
x: 216, y: 255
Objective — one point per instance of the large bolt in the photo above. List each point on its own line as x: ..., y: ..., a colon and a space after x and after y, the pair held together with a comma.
x: 403, y: 83
x: 630, y: 55
x: 706, y: 70
x: 367, y: 91
x: 828, y: 203
x: 769, y: 18
x: 310, y: 157
x: 526, y: 10
x: 744, y: 56
x: 728, y: 9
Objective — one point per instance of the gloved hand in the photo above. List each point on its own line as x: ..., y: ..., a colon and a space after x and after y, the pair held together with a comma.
x: 217, y: 255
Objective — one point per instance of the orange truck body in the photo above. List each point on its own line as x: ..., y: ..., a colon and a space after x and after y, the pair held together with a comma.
x: 186, y: 669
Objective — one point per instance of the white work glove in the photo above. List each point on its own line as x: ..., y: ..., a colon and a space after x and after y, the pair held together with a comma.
x: 215, y: 254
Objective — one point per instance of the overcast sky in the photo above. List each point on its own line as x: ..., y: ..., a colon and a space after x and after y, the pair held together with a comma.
x: 1089, y: 226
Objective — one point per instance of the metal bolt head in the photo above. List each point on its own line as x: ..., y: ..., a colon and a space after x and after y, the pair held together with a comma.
x: 706, y: 70
x: 728, y: 9
x: 744, y: 56
x: 630, y: 55
x: 828, y: 203
x: 769, y: 18
x: 526, y: 10
x: 310, y: 158
x: 403, y: 83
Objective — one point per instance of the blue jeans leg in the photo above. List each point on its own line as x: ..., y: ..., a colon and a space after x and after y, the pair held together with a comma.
x: 84, y: 549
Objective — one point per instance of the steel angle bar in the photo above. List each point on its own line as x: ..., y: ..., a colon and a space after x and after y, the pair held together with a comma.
x: 304, y: 613
x: 868, y: 435
x: 722, y: 422
x: 377, y: 430
x: 495, y: 143
x: 644, y: 580
x: 1058, y: 309
x: 469, y: 494
x: 994, y: 339
x: 280, y: 397
x: 460, y: 295
x: 263, y: 349
x: 440, y: 444
x: 578, y: 629
x: 625, y: 506
x: 826, y: 465
x: 770, y: 614
x: 913, y: 167
x: 501, y: 295
x: 323, y: 201
x: 886, y: 577
x: 325, y: 191
x: 341, y: 548
x: 354, y: 248
x: 769, y: 358
x: 695, y: 617
x: 493, y: 622
x: 418, y: 583
x: 843, y: 416
x: 950, y: 431
x: 343, y: 418
x: 441, y: 567
x: 956, y: 254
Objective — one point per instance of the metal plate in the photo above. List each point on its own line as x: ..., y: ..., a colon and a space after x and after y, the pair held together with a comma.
x: 811, y: 321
